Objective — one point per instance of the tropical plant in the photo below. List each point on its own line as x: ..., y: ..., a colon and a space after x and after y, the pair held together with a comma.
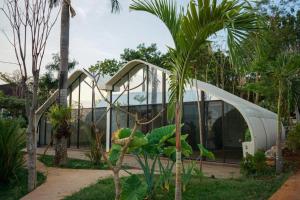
x: 133, y: 188
x: 189, y: 31
x: 60, y: 119
x: 187, y: 174
x: 94, y: 153
x: 254, y: 165
x: 12, y: 142
x: 293, y: 138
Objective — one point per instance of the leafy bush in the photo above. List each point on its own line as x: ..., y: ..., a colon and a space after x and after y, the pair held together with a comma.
x: 293, y: 138
x: 12, y: 141
x: 255, y: 165
x: 94, y: 153
x: 60, y: 119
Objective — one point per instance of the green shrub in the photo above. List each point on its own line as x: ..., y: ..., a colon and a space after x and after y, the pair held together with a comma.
x: 293, y: 138
x: 60, y: 119
x: 12, y: 141
x: 94, y: 153
x: 255, y: 165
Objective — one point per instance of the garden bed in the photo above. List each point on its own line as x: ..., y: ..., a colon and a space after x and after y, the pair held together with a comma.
x: 72, y: 163
x: 17, y: 188
x: 207, y: 188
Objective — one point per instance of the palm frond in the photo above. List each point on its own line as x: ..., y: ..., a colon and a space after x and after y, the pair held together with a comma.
x: 166, y: 11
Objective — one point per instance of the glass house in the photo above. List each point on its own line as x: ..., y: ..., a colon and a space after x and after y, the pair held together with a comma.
x: 143, y: 88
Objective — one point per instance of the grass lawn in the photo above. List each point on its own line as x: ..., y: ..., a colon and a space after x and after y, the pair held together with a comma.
x: 18, y: 188
x: 208, y: 189
x: 72, y: 163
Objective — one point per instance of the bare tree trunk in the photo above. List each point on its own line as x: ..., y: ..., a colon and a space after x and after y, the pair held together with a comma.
x: 178, y: 186
x: 117, y: 184
x: 61, y: 143
x: 279, y: 131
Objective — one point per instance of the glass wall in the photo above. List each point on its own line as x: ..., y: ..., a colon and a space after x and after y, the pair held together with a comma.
x: 139, y: 91
x: 84, y: 113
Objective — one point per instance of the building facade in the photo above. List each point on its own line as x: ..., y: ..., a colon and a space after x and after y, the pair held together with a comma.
x: 143, y: 88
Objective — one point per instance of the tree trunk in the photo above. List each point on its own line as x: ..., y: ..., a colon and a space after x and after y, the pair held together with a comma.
x: 200, y: 124
x: 279, y: 131
x: 61, y: 143
x: 64, y: 53
x: 31, y: 134
x: 117, y: 184
x: 178, y: 152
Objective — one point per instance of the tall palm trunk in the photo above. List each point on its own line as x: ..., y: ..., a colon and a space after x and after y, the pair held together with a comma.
x: 178, y: 152
x: 279, y: 131
x: 61, y: 143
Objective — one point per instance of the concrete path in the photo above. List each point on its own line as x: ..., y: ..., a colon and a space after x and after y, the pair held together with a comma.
x: 218, y: 170
x: 64, y: 182
x: 290, y: 190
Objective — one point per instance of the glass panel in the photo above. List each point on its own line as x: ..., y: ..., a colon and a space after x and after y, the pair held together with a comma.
x: 190, y: 94
x: 138, y: 94
x: 214, y: 139
x: 86, y: 93
x: 191, y: 124
x: 155, y: 88
x: 234, y: 129
x: 75, y: 94
x: 120, y: 98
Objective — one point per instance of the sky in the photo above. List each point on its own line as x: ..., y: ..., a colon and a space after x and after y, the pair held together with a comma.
x: 96, y: 34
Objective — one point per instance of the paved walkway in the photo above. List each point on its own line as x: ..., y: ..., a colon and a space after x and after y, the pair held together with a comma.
x: 64, y: 182
x: 218, y: 170
x: 290, y: 190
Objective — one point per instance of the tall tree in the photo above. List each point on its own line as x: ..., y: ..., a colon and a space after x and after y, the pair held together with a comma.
x: 31, y: 22
x: 66, y: 11
x: 189, y: 31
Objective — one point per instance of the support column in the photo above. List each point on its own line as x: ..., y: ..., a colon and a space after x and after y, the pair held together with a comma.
x: 78, y: 111
x: 108, y: 121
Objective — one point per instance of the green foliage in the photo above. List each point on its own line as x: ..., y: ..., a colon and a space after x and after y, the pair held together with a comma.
x: 94, y: 153
x: 60, y: 119
x: 293, y: 138
x: 71, y: 163
x: 114, y: 153
x: 247, y: 135
x: 14, y: 106
x: 255, y: 165
x: 12, y: 141
x: 165, y: 174
x: 187, y: 174
x: 107, y: 67
x: 17, y: 188
x: 206, y: 153
x: 55, y: 64
x: 133, y: 188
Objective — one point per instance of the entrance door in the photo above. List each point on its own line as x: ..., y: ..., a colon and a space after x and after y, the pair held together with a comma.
x: 213, y: 136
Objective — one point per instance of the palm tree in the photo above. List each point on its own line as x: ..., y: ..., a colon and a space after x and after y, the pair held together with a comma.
x: 66, y: 10
x: 190, y: 29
